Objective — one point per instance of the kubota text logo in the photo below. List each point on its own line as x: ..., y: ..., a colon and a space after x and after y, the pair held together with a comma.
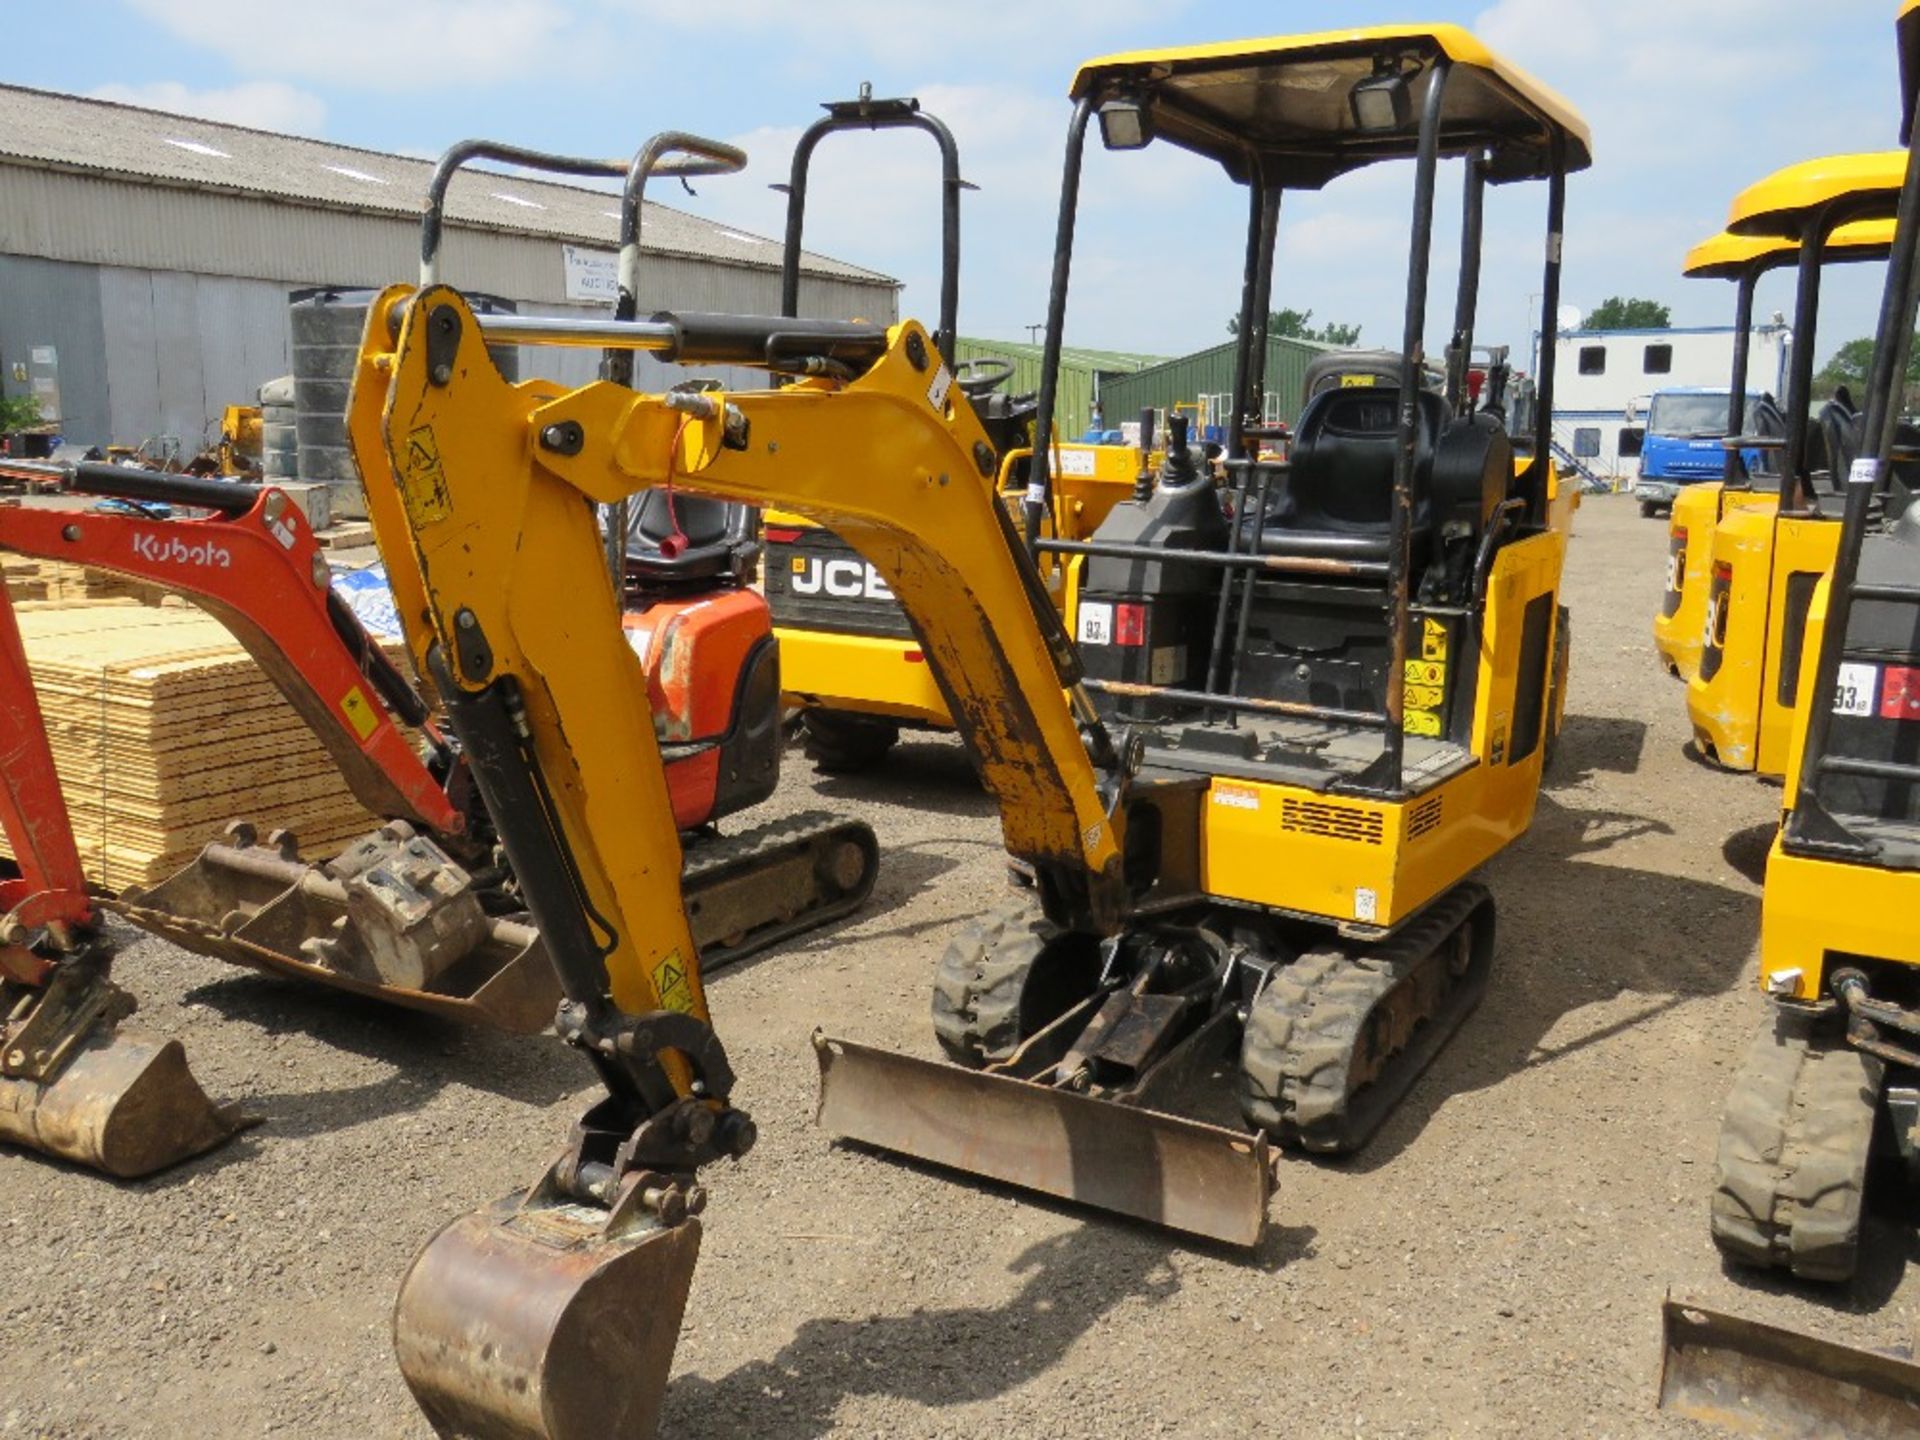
x: 172, y: 550
x: 842, y: 579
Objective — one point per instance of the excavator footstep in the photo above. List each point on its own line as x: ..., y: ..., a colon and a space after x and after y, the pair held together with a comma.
x: 1763, y: 1380
x: 524, y: 1322
x: 125, y: 1103
x: 1202, y: 1179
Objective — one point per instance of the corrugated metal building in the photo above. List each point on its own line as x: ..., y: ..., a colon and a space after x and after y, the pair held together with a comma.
x: 1209, y: 373
x: 146, y: 259
x: 1084, y: 374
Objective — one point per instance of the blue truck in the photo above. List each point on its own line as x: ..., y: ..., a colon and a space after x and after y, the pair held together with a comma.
x: 1683, y: 442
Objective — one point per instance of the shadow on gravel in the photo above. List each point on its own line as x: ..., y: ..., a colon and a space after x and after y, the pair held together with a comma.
x: 427, y: 1053
x: 957, y: 1356
x: 1745, y: 851
x: 930, y: 773
x: 1576, y: 930
x: 1591, y: 744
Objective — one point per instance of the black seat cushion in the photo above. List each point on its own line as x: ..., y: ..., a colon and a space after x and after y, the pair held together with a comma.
x: 1338, y: 497
x: 1832, y: 446
x: 677, y: 538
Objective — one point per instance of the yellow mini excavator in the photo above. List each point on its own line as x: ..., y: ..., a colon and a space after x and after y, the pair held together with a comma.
x: 1156, y: 933
x: 1834, y: 1072
x: 1764, y: 558
x: 1755, y: 424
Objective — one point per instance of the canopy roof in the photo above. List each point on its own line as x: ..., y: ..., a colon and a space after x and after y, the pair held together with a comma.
x: 1286, y: 96
x: 1785, y: 202
x: 1728, y: 256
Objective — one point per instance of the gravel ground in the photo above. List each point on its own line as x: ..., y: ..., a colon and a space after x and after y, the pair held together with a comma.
x: 1493, y: 1265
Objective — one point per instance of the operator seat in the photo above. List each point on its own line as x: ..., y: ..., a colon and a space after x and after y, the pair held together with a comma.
x: 1337, y: 500
x: 1838, y: 433
x: 675, y: 539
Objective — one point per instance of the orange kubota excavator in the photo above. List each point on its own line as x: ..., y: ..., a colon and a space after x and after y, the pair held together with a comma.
x: 424, y: 912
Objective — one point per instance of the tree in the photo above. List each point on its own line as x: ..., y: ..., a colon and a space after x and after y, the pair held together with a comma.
x: 1618, y: 313
x: 1849, y: 367
x: 1295, y: 325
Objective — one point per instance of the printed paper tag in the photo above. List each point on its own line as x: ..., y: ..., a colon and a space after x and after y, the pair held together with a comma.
x: 1240, y: 797
x: 1096, y: 624
x: 1854, y: 694
x: 937, y: 392
x: 1863, y: 472
x: 1366, y: 905
x: 1076, y: 462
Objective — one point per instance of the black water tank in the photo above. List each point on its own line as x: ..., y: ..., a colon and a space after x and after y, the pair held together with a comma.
x: 327, y: 325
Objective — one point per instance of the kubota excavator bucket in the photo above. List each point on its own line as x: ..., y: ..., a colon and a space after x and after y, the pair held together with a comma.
x: 541, y: 1319
x: 1766, y: 1381
x: 76, y: 1086
x: 1202, y: 1179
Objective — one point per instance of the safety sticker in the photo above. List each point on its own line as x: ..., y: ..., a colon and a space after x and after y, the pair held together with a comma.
x: 1076, y: 462
x: 423, y: 483
x: 672, y: 984
x: 1358, y: 382
x: 1422, y: 722
x: 1096, y: 624
x: 1366, y: 905
x: 937, y: 392
x: 1424, y: 697
x: 1854, y: 694
x: 359, y: 712
x: 1433, y: 641
x: 1426, y: 672
x: 1239, y: 797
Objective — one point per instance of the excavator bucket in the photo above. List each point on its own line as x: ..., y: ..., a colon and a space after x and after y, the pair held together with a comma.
x: 1765, y: 1381
x: 123, y: 1103
x: 1202, y: 1179
x: 531, y: 1321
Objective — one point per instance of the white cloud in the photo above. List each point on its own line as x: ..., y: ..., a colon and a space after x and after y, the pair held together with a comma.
x: 373, y: 44
x: 262, y: 104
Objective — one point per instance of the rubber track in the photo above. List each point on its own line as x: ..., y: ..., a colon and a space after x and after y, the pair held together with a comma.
x: 1792, y: 1162
x: 977, y: 989
x: 707, y: 858
x: 1297, y: 1046
x: 845, y: 744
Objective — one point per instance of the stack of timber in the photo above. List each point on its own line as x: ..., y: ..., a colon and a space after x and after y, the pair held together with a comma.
x: 163, y: 730
x: 29, y: 580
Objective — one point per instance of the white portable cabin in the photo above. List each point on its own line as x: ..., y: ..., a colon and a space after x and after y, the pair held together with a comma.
x: 1603, y: 380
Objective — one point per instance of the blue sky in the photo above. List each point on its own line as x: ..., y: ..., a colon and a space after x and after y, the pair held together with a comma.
x: 1688, y: 100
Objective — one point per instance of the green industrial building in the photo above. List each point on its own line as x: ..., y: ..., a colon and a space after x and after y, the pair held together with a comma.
x: 1124, y: 384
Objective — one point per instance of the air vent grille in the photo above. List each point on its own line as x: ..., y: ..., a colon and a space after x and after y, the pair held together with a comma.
x: 1425, y: 817
x: 1336, y: 822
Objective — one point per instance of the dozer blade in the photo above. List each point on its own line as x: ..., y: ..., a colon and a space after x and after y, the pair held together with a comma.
x: 1202, y: 1179
x: 1762, y: 1380
x: 124, y: 1103
x: 524, y: 1322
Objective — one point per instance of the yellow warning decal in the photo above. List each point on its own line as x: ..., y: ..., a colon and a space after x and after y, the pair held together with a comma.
x: 423, y: 484
x: 1424, y: 697
x: 1358, y: 382
x: 360, y: 713
x: 671, y: 983
x: 1422, y: 722
x: 1426, y: 672
x: 798, y: 565
x: 1433, y: 641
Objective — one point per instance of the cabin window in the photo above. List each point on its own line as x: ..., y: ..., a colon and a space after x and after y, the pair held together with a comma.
x: 1593, y: 359
x: 1586, y: 442
x: 1631, y: 439
x: 1658, y: 360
